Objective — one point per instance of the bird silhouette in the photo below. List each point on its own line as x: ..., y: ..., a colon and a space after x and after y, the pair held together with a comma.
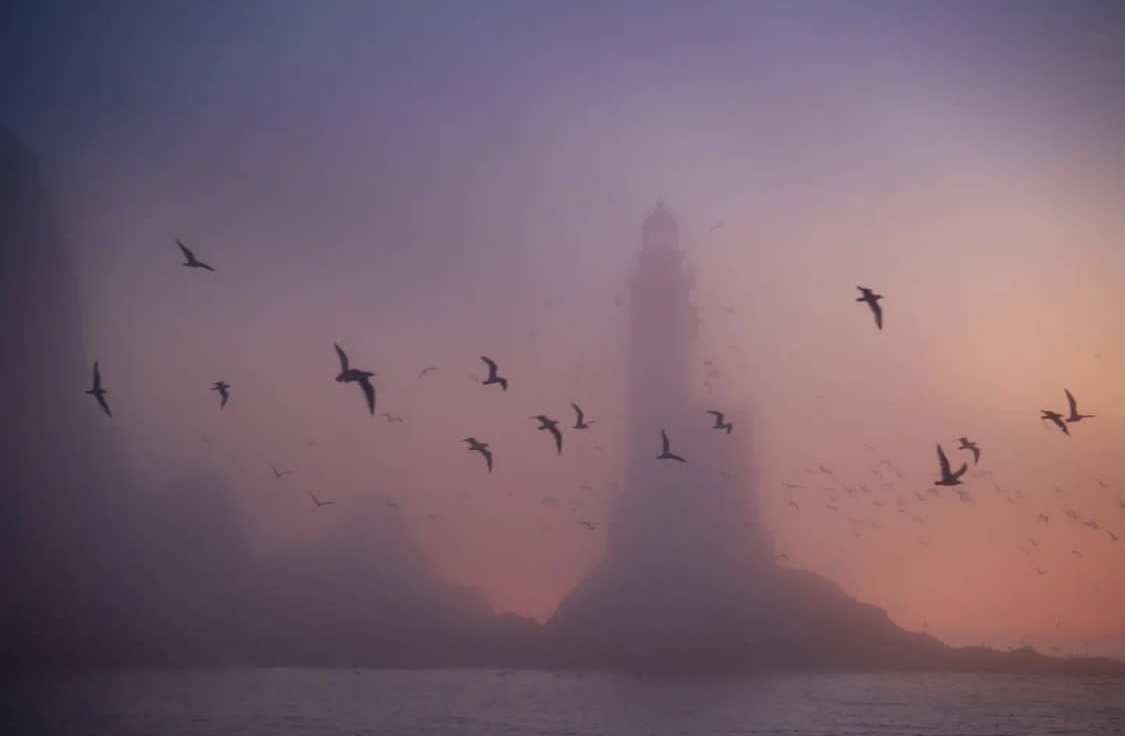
x: 588, y: 525
x: 1055, y: 417
x: 493, y: 376
x: 579, y: 422
x: 224, y: 391
x: 279, y: 473
x: 1074, y: 415
x: 552, y: 426
x: 948, y: 478
x: 665, y: 452
x: 482, y: 448
x: 348, y: 374
x: 318, y: 502
x: 391, y: 418
x: 427, y: 370
x: 796, y: 506
x: 781, y: 557
x: 971, y: 446
x: 190, y: 260
x: 98, y: 392
x: 719, y: 423
x: 872, y: 299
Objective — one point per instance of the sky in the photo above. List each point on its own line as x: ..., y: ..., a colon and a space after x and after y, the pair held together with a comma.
x: 427, y: 182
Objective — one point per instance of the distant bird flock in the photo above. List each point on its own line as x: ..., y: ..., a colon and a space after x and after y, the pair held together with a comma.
x: 948, y: 477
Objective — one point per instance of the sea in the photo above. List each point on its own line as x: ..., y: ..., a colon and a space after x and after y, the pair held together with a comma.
x: 324, y: 702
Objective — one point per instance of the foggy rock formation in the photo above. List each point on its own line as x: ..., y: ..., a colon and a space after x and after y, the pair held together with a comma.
x: 61, y: 534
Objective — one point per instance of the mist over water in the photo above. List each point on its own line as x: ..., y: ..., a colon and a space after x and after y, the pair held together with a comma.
x: 427, y: 183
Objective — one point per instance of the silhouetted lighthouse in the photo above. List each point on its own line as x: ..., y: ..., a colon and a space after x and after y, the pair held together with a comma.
x: 681, y: 536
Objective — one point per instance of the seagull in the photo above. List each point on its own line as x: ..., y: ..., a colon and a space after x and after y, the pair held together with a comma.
x: 427, y: 370
x: 719, y: 423
x: 348, y: 374
x: 391, y: 418
x: 580, y: 422
x: 493, y: 376
x: 823, y: 469
x: 98, y: 392
x: 551, y: 425
x: 588, y: 525
x: 782, y: 557
x: 1040, y: 571
x: 190, y: 260
x: 482, y: 448
x: 872, y: 300
x: 665, y: 453
x: 948, y: 478
x: 795, y: 505
x: 279, y: 473
x: 224, y: 390
x: 1074, y: 415
x: 1055, y: 417
x: 1113, y: 537
x: 318, y: 502
x: 1077, y: 554
x: 971, y: 446
x: 717, y: 225
x: 1043, y: 518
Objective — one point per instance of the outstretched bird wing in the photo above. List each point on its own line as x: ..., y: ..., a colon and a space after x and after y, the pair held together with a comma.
x: 557, y: 435
x: 487, y: 457
x: 664, y: 441
x: 877, y: 310
x: 368, y: 393
x: 717, y: 414
x: 943, y: 461
x: 104, y: 405
x: 97, y: 376
x: 187, y: 252
x: 343, y: 357
x: 578, y: 411
x: 1072, y: 402
x: 491, y: 365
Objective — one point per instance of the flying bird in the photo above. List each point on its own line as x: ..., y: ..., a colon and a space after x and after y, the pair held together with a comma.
x: 719, y: 423
x: 1043, y: 518
x: 872, y: 299
x: 318, y: 502
x: 665, y: 452
x: 781, y: 557
x: 1055, y: 417
x: 224, y: 391
x: 493, y: 376
x: 279, y: 473
x: 189, y: 258
x: 948, y: 478
x: 98, y: 392
x: 1074, y: 415
x: 551, y: 425
x: 971, y: 446
x: 391, y: 418
x: 348, y: 374
x: 482, y: 448
x: 588, y: 525
x: 795, y: 505
x: 427, y: 370
x: 580, y: 422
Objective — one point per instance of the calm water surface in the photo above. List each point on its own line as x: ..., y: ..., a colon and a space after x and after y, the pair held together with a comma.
x: 455, y: 702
